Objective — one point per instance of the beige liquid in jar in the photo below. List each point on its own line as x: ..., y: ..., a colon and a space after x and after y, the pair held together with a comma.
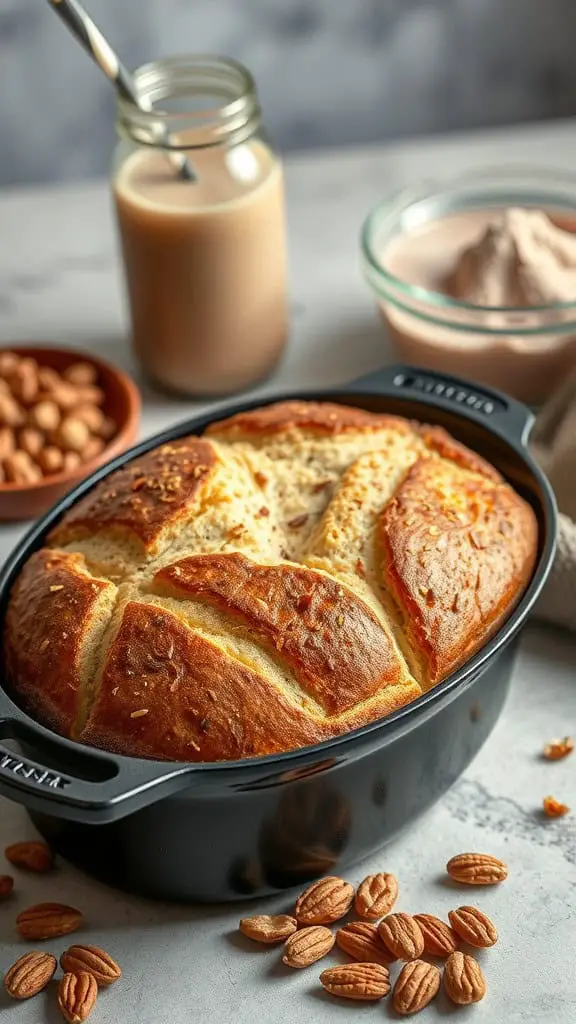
x: 205, y: 266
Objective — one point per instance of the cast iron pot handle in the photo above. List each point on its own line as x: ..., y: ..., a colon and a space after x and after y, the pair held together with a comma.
x: 99, y: 788
x: 483, y: 405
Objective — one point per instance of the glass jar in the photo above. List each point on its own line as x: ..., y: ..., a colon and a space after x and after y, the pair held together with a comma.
x: 199, y: 198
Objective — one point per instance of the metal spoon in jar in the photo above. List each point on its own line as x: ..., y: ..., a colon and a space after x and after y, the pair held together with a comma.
x: 98, y: 48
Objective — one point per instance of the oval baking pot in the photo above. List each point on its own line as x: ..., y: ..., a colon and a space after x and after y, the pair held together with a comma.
x: 225, y: 830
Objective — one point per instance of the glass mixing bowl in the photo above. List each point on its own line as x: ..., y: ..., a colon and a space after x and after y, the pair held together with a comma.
x: 524, y: 350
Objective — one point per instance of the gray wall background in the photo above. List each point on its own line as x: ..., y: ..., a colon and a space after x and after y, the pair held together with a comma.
x: 331, y: 72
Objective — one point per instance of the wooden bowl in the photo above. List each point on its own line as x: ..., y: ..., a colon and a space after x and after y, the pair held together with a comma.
x: 122, y: 404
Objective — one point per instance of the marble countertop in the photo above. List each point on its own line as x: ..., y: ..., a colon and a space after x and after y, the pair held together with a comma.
x: 59, y: 281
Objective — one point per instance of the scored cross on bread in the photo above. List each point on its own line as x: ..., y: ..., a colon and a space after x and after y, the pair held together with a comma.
x: 301, y: 570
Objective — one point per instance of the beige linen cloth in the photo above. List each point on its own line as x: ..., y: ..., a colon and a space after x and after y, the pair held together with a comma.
x: 553, y: 445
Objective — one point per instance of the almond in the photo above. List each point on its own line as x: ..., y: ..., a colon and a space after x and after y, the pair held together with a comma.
x: 108, y: 428
x: 32, y: 856
x: 48, y: 921
x: 7, y: 441
x: 6, y: 886
x: 20, y: 469
x: 472, y: 925
x: 72, y: 435
x: 11, y: 414
x: 376, y: 896
x: 30, y: 974
x: 94, y: 447
x: 77, y: 994
x: 477, y: 869
x: 439, y: 938
x: 463, y: 979
x: 366, y: 982
x: 94, y: 961
x: 50, y: 459
x: 361, y: 941
x: 81, y: 374
x: 416, y: 986
x: 44, y: 415
x: 402, y: 935
x: 324, y: 901
x: 268, y: 928
x: 307, y: 946
x: 92, y: 416
x: 30, y: 441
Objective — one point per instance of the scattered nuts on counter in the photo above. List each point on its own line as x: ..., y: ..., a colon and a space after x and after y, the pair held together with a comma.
x: 92, y: 959
x: 439, y: 938
x: 464, y: 981
x: 307, y: 946
x: 472, y: 925
x: 365, y: 982
x: 32, y: 856
x: 324, y: 901
x: 77, y: 994
x: 30, y: 974
x: 268, y: 928
x: 417, y: 985
x: 48, y: 921
x: 553, y: 808
x: 376, y: 896
x: 49, y: 422
x: 558, y: 749
x: 6, y: 886
x: 402, y: 935
x: 477, y: 869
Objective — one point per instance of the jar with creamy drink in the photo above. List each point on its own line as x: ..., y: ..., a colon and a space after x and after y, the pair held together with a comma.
x: 205, y: 259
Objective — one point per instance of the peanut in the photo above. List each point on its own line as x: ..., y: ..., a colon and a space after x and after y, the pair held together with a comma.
x: 30, y: 441
x: 44, y: 415
x: 92, y: 416
x: 81, y: 373
x: 11, y: 414
x: 20, y: 469
x: 23, y: 381
x: 51, y: 460
x: 65, y: 395
x: 7, y: 442
x: 72, y: 434
x: 8, y: 361
x: 109, y: 429
x: 48, y: 378
x: 89, y: 395
x: 94, y: 448
x: 72, y: 460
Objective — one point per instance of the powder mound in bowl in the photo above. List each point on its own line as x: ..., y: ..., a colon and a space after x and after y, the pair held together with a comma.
x: 522, y: 259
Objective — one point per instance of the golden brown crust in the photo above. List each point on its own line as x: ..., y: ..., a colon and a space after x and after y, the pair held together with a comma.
x: 169, y: 693
x: 278, y: 582
x: 316, y: 417
x: 457, y: 554
x: 53, y: 608
x: 329, y: 638
x: 145, y: 496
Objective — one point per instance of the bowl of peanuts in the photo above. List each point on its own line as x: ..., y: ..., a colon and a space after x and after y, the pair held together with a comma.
x: 62, y: 415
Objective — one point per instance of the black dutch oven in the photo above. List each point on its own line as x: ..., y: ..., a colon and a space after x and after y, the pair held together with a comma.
x: 227, y: 830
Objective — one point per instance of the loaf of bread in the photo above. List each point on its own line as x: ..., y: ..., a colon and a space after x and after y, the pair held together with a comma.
x: 299, y: 571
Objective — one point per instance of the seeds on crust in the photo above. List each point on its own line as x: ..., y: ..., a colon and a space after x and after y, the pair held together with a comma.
x: 364, y: 982
x: 376, y: 896
x: 402, y: 935
x: 477, y: 869
x: 324, y: 901
x: 472, y: 925
x: 464, y: 981
x: 439, y: 938
x: 268, y: 928
x: 307, y: 946
x: 417, y: 985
